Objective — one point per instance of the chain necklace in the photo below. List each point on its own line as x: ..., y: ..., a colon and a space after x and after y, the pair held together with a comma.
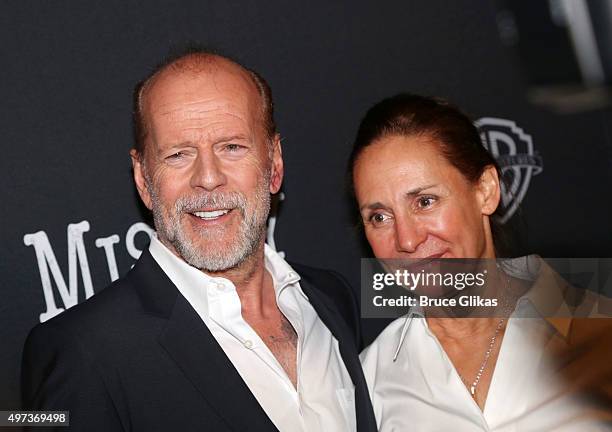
x: 489, y: 350
x: 486, y: 358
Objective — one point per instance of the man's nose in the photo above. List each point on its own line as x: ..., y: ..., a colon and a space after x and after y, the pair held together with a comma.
x: 208, y: 173
x: 409, y: 234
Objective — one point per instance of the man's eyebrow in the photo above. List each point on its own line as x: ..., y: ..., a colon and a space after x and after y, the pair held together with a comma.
x: 181, y: 144
x: 226, y: 138
x: 219, y: 139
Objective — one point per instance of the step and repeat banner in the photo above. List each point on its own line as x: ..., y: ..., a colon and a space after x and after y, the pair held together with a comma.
x: 71, y: 218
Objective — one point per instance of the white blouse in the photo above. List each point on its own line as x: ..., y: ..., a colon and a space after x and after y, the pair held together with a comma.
x: 415, y: 387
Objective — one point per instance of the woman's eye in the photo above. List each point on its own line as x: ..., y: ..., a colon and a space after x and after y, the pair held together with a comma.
x: 426, y: 201
x: 378, y: 218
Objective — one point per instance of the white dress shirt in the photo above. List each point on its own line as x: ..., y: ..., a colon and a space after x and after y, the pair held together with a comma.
x: 415, y: 387
x: 324, y: 399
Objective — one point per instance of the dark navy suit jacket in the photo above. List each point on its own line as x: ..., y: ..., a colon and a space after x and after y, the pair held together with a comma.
x: 137, y: 357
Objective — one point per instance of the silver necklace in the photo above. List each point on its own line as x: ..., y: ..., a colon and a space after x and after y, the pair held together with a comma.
x: 489, y: 350
x: 486, y: 358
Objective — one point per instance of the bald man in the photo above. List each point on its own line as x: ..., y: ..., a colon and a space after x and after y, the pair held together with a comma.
x: 211, y: 330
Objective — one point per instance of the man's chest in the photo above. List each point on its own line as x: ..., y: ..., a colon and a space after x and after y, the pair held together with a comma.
x: 281, y: 338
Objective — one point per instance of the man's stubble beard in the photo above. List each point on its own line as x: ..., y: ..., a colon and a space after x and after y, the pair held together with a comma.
x: 217, y: 256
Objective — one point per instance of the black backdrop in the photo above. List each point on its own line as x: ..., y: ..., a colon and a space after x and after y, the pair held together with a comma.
x: 68, y: 69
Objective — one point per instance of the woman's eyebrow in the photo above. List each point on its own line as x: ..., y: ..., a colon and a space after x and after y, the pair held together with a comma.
x: 372, y: 206
x: 419, y: 189
x: 410, y: 193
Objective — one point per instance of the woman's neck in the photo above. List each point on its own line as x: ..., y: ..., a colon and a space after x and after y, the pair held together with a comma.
x: 461, y: 329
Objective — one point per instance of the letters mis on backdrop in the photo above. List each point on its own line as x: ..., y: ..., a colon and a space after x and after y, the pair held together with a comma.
x: 77, y: 255
x: 509, y: 144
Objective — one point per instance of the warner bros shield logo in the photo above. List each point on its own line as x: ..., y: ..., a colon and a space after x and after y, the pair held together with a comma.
x: 513, y: 150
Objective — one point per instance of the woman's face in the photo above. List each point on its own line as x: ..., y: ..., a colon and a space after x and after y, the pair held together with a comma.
x: 415, y: 204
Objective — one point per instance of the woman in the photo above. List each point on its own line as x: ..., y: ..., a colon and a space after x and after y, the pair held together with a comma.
x: 427, y: 188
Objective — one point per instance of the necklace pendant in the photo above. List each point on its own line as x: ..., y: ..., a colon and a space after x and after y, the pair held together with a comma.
x: 473, y: 390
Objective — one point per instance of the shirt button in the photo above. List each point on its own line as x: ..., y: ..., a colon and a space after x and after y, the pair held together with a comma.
x: 248, y: 344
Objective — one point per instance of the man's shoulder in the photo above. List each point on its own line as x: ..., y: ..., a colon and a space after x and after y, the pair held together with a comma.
x: 113, y: 306
x: 116, y: 302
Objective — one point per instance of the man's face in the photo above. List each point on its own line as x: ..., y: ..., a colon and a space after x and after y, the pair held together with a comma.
x: 209, y: 167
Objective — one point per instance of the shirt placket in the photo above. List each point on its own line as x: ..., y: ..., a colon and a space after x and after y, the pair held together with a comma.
x: 289, y: 308
x: 226, y: 312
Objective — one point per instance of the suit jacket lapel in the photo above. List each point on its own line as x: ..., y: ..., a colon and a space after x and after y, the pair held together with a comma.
x: 343, y: 334
x: 196, y: 352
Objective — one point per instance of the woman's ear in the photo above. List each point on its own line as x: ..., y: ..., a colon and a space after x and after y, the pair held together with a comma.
x: 489, y: 190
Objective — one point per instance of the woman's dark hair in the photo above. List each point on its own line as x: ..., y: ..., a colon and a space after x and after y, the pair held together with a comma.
x: 458, y: 139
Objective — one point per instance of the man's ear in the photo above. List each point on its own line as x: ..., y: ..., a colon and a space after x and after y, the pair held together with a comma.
x: 276, y: 177
x: 489, y: 190
x: 139, y: 178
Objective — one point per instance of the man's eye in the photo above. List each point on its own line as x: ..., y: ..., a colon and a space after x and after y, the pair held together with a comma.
x: 176, y: 156
x: 234, y: 147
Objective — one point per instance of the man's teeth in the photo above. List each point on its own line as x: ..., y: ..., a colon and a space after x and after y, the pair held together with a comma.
x: 211, y: 214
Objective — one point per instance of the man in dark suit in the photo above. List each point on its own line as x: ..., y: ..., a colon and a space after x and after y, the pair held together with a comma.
x: 211, y: 329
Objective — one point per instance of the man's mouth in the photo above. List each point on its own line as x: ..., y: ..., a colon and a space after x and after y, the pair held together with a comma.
x: 210, y: 215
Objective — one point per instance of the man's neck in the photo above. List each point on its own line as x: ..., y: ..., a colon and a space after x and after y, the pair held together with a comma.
x: 253, y: 283
x: 247, y: 274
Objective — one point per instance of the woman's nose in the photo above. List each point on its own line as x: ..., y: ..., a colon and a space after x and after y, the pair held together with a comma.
x: 409, y: 234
